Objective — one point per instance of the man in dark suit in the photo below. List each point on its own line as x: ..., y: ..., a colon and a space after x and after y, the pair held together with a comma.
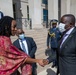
x: 27, y: 45
x: 67, y: 47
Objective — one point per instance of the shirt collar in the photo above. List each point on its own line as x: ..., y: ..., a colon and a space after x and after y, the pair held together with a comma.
x: 21, y: 40
x: 68, y: 32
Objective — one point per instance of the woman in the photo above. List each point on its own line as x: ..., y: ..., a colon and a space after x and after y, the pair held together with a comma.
x: 10, y: 57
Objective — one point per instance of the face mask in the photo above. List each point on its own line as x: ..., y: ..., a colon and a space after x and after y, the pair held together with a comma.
x: 61, y: 27
x: 21, y: 36
x: 54, y: 26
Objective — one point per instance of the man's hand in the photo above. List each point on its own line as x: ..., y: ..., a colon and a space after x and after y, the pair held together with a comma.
x: 43, y: 62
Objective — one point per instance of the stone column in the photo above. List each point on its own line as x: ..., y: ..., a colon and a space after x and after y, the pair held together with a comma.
x: 35, y: 13
x: 73, y: 7
x: 56, y: 9
x: 6, y: 7
x: 68, y: 6
x: 53, y: 9
x: 63, y: 7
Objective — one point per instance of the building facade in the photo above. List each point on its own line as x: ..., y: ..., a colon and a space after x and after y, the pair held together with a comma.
x: 37, y: 13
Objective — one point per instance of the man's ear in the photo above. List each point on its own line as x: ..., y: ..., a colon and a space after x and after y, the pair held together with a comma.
x: 71, y: 23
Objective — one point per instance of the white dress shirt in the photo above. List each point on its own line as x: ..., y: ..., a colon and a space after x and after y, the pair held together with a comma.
x: 66, y: 36
x: 0, y: 16
x: 25, y: 44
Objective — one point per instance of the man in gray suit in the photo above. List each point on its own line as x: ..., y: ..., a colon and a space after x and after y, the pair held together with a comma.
x: 67, y: 48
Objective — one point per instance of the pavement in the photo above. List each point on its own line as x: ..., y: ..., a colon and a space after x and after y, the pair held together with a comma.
x: 48, y: 71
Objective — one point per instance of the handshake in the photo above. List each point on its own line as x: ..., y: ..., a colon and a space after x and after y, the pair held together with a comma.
x: 43, y: 62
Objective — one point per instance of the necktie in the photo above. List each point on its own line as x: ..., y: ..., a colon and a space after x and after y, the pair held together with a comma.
x: 23, y: 46
x: 63, y: 39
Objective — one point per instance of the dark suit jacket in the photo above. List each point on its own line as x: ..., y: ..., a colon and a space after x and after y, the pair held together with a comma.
x: 67, y: 55
x: 31, y: 46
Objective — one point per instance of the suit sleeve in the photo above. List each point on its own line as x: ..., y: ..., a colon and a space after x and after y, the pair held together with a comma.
x: 34, y: 48
x: 49, y: 59
x: 15, y: 44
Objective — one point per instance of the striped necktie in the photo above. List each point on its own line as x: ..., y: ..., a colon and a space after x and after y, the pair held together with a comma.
x: 23, y: 46
x: 63, y: 39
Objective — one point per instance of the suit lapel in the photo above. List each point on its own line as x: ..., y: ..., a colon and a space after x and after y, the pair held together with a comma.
x: 18, y: 44
x: 28, y: 45
x: 68, y: 38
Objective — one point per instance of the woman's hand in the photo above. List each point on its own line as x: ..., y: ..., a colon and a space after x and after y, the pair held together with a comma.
x: 42, y: 62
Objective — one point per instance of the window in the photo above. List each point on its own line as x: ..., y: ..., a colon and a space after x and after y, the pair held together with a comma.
x: 14, y: 10
x: 45, y: 15
x: 45, y: 1
x: 28, y: 12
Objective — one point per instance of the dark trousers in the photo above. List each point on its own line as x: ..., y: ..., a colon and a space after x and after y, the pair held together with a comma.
x: 57, y: 57
x: 54, y: 55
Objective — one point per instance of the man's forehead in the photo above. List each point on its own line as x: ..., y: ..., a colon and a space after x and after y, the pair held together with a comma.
x: 64, y: 18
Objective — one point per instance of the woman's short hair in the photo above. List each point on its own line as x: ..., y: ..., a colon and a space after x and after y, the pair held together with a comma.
x: 5, y: 25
